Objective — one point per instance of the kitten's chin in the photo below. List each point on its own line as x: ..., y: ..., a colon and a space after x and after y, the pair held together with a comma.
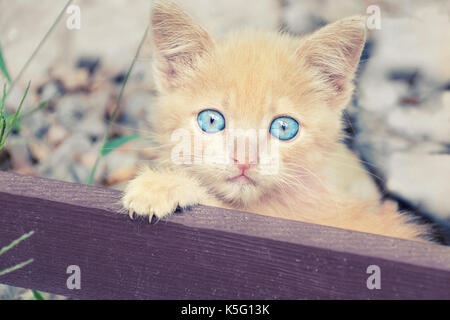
x: 239, y: 191
x: 241, y: 180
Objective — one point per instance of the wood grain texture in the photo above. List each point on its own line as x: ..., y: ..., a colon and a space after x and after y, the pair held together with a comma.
x: 206, y: 253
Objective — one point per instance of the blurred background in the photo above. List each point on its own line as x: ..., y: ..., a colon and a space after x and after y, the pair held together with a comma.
x: 77, y: 55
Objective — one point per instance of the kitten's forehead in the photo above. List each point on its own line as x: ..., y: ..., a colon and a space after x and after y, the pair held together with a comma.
x: 256, y: 58
x: 256, y: 111
x: 258, y: 74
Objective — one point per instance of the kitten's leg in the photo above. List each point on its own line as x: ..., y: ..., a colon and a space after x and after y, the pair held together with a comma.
x: 159, y: 193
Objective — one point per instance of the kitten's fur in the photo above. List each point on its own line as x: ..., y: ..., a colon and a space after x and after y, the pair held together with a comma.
x: 251, y: 77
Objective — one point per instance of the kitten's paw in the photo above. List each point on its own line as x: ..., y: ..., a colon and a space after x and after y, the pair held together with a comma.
x: 159, y: 195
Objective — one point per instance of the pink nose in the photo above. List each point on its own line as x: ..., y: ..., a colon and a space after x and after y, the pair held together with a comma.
x: 243, y: 166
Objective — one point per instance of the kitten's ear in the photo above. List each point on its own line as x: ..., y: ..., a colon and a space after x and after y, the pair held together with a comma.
x: 178, y: 42
x: 333, y: 52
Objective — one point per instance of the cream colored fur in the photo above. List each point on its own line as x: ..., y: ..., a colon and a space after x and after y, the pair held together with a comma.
x: 251, y: 77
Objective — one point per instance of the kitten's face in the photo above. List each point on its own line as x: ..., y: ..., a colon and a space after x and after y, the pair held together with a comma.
x: 258, y: 88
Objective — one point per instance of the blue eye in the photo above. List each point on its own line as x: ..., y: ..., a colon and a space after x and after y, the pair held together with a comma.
x: 284, y: 128
x: 211, y: 121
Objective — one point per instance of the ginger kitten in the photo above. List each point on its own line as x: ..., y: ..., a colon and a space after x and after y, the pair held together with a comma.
x: 290, y: 92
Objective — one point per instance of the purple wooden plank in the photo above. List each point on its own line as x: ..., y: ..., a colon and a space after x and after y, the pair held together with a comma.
x: 207, y: 253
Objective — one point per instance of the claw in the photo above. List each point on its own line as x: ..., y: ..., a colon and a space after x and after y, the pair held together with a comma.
x: 150, y: 218
x: 131, y: 214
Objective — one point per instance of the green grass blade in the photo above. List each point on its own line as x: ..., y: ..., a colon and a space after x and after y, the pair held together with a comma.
x: 37, y: 295
x: 2, y: 116
x: 113, y: 144
x: 113, y: 116
x: 3, y: 68
x: 17, y: 125
x: 12, y: 121
x: 2, y: 102
x: 12, y: 245
x: 92, y: 174
x: 16, y: 242
x: 16, y: 267
x: 2, y: 129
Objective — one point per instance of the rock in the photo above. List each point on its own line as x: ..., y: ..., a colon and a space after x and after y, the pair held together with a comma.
x: 20, y: 158
x: 422, y: 178
x: 51, y: 91
x: 89, y: 64
x: 70, y: 110
x: 121, y: 175
x: 39, y: 151
x: 37, y: 123
x: 87, y: 159
x: 5, y: 160
x: 79, y: 112
x: 72, y: 79
x: 56, y: 134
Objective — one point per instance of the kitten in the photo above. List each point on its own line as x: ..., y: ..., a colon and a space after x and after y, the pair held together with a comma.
x: 291, y: 92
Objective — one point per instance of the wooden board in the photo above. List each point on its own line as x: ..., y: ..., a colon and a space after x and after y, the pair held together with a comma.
x: 206, y: 253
